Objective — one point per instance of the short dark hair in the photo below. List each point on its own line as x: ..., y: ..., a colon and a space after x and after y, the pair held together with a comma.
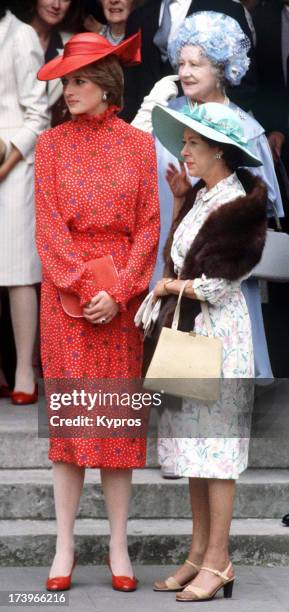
x: 232, y: 156
x: 26, y: 10
x: 108, y: 74
x: 3, y: 8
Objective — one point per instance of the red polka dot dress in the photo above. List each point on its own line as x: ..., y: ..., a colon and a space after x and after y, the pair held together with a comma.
x: 96, y: 194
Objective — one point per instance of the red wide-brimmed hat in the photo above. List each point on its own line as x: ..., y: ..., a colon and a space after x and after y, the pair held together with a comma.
x: 86, y: 48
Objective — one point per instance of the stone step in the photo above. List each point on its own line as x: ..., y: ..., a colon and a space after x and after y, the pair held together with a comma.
x: 20, y: 446
x: 28, y: 494
x: 152, y: 541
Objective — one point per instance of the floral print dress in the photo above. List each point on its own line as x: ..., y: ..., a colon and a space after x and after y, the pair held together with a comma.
x: 206, y: 453
x: 96, y: 194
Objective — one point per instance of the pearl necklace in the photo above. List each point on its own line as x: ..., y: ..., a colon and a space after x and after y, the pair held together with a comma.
x: 226, y: 101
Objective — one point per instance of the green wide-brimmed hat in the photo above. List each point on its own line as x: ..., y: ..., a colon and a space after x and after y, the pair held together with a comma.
x: 215, y: 121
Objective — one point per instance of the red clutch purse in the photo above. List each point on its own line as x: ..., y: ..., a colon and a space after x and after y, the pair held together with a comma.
x: 105, y: 274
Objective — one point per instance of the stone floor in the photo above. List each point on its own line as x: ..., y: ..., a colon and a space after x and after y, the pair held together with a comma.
x: 257, y: 589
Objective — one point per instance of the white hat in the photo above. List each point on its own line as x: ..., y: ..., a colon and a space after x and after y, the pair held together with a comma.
x: 215, y: 121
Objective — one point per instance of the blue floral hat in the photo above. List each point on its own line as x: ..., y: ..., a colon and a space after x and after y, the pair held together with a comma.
x: 215, y: 121
x: 221, y: 39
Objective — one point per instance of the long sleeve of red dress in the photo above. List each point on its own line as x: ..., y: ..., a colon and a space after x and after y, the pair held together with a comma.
x: 61, y: 258
x: 136, y: 275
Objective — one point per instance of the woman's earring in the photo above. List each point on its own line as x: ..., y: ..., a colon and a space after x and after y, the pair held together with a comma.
x: 218, y: 155
x: 104, y: 96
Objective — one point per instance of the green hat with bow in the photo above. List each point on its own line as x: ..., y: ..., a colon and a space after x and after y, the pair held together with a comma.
x: 215, y: 121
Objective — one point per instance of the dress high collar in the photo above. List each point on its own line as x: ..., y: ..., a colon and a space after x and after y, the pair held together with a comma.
x: 97, y: 120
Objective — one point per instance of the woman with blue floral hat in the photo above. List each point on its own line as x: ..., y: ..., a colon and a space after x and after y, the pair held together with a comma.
x: 210, y: 54
x: 217, y: 237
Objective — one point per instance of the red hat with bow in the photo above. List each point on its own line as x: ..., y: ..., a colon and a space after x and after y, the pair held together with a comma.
x: 87, y: 48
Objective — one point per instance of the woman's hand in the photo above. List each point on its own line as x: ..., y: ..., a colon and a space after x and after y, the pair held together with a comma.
x: 4, y: 171
x: 173, y: 286
x: 3, y: 150
x: 178, y: 180
x: 162, y: 92
x: 160, y: 289
x: 13, y: 158
x: 101, y: 309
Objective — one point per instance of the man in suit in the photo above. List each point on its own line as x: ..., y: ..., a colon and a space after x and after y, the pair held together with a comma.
x: 155, y: 64
x: 271, y: 20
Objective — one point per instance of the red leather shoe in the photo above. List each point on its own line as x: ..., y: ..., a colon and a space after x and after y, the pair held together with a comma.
x: 60, y: 583
x: 122, y: 583
x: 20, y: 398
x: 5, y: 391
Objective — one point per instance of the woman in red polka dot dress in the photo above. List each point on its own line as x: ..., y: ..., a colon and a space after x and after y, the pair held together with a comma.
x: 96, y: 194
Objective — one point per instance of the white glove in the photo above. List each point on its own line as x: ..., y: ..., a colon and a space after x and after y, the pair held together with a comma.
x: 147, y: 314
x: 162, y: 92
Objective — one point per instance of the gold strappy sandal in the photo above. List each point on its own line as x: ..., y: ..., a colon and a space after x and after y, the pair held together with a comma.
x: 195, y: 593
x: 171, y: 584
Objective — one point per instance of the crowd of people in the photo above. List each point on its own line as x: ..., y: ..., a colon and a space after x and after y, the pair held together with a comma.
x: 167, y: 158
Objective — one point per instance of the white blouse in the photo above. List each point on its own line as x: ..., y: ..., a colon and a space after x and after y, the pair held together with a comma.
x: 206, y: 201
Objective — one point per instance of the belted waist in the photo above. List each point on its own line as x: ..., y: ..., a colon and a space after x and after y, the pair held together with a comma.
x: 93, y: 244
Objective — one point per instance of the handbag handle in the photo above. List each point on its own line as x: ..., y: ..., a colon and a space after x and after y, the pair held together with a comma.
x: 277, y: 220
x: 285, y: 179
x: 205, y: 312
x: 284, y: 175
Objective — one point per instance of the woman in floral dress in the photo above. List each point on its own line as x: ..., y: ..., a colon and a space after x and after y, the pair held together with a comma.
x: 217, y: 237
x: 96, y: 195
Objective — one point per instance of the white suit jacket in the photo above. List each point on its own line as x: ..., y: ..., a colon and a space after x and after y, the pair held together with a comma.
x: 23, y: 99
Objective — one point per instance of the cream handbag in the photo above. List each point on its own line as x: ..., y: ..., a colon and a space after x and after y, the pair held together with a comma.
x: 186, y: 364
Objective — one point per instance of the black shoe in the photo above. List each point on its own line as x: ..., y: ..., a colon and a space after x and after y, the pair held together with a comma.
x: 285, y: 520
